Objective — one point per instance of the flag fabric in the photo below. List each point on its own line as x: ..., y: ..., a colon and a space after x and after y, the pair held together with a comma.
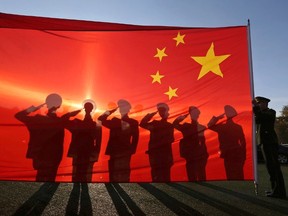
x: 105, y: 102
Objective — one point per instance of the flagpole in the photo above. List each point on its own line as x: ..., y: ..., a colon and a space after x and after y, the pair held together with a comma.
x: 253, y: 120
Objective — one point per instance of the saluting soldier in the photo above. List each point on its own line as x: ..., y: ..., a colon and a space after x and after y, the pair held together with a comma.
x: 122, y: 143
x: 265, y: 119
x: 45, y: 146
x: 160, y: 143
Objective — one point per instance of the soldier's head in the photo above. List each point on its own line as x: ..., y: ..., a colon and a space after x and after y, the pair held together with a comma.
x: 53, y: 102
x: 124, y: 107
x: 262, y: 102
x: 194, y: 113
x: 230, y: 112
x: 163, y: 110
x: 88, y: 107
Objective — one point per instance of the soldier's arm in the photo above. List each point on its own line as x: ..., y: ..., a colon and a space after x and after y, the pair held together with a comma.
x: 144, y: 123
x: 176, y: 123
x: 23, y: 115
x: 103, y: 118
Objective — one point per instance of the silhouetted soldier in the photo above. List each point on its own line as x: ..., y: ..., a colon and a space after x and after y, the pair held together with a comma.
x: 232, y: 143
x: 122, y: 143
x: 85, y: 144
x: 45, y: 145
x: 265, y: 119
x: 192, y: 145
x: 160, y: 143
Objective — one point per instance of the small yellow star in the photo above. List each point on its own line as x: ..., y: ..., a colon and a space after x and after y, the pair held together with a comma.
x: 160, y: 54
x: 157, y: 77
x: 210, y: 62
x: 171, y: 92
x: 179, y: 39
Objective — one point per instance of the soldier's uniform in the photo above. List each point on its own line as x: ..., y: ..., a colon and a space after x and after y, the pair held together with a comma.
x: 267, y: 138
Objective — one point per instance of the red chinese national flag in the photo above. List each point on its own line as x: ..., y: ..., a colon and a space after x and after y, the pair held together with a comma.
x: 197, y: 79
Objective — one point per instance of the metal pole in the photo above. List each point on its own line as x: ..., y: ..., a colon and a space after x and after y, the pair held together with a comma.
x: 253, y: 120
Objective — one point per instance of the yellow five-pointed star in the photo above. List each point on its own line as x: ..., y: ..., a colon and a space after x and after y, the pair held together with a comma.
x: 179, y: 39
x: 157, y: 77
x: 210, y: 62
x: 171, y: 92
x: 160, y: 54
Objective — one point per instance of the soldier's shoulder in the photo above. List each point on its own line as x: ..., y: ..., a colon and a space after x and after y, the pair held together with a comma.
x: 271, y: 110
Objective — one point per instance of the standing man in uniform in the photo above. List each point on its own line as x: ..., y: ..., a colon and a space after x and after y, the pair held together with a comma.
x: 160, y: 143
x: 85, y: 144
x: 192, y: 145
x: 265, y: 119
x: 45, y: 146
x: 122, y: 143
x: 232, y: 142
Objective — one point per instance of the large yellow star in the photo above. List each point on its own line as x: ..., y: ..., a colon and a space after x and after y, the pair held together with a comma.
x: 179, y: 39
x: 171, y: 92
x: 210, y: 62
x: 157, y: 77
x: 160, y: 54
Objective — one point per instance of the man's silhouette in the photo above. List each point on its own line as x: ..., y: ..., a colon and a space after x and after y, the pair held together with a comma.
x: 267, y: 138
x: 160, y: 143
x: 85, y: 144
x: 232, y: 143
x: 46, y: 132
x: 122, y: 143
x: 192, y: 145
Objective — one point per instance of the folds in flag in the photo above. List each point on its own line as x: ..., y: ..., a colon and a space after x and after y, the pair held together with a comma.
x: 105, y: 102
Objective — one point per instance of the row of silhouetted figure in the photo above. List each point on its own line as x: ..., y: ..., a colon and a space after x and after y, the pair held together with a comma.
x: 46, y: 141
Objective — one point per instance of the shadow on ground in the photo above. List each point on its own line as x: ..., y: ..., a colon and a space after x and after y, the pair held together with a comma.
x: 204, y: 198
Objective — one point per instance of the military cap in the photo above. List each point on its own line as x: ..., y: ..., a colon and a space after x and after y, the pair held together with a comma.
x: 163, y: 106
x: 262, y: 99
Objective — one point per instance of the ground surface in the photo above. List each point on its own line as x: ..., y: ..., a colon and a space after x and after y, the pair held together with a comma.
x: 207, y: 198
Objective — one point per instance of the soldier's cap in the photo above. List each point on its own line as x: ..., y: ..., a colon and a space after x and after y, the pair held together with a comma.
x: 259, y: 99
x: 163, y: 106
